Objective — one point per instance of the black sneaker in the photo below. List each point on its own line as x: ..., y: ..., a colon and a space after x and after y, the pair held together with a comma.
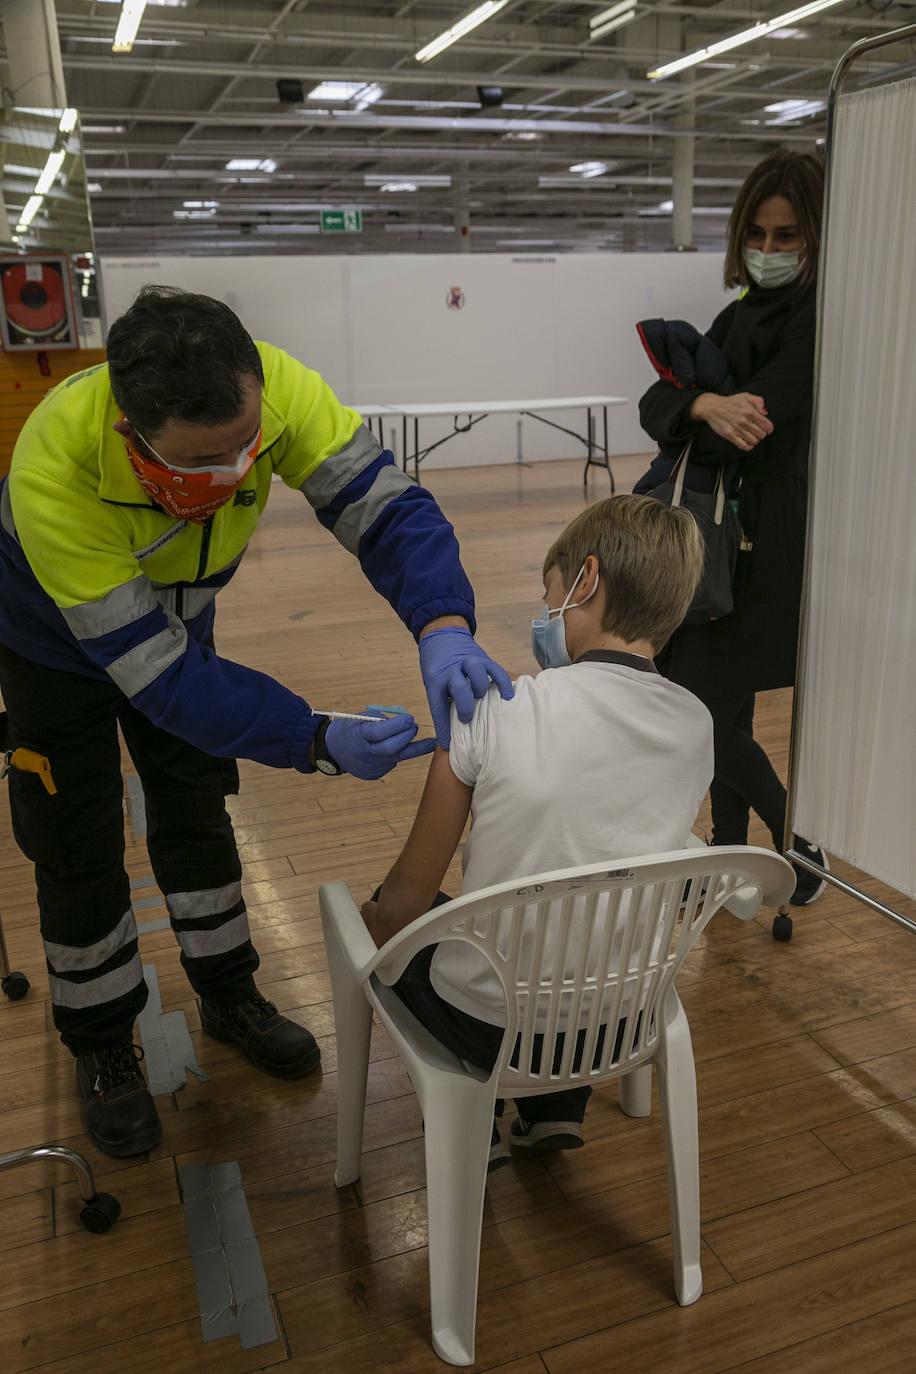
x: 541, y: 1136
x: 272, y: 1042
x: 808, y: 886
x: 120, y: 1115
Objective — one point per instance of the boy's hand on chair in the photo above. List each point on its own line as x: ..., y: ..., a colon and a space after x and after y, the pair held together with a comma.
x: 369, y: 913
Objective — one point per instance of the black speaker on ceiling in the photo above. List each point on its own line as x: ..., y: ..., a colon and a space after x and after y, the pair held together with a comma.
x: 489, y: 96
x: 289, y: 90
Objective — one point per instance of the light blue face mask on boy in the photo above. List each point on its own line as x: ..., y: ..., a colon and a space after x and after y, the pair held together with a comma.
x: 548, y: 636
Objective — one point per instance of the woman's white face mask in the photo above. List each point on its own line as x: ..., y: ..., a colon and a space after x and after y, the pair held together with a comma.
x: 770, y: 270
x: 548, y: 632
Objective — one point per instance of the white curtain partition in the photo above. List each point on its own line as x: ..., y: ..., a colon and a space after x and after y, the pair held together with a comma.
x: 854, y: 789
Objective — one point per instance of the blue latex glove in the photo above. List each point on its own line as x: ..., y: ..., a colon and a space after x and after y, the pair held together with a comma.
x: 369, y: 750
x: 455, y: 668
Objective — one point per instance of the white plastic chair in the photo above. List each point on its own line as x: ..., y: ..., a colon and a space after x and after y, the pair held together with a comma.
x: 621, y: 934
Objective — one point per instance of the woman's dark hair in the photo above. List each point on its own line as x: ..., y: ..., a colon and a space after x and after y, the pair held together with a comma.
x: 800, y: 178
x: 177, y: 355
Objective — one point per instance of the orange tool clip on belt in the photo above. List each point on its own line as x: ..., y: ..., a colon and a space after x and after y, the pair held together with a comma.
x: 27, y: 761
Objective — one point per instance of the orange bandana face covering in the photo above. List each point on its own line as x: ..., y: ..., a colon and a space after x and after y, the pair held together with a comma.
x: 190, y: 493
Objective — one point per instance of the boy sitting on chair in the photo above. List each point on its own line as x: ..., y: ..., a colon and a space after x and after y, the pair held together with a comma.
x: 597, y: 758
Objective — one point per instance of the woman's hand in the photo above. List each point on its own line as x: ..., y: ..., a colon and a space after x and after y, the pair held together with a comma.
x: 741, y: 419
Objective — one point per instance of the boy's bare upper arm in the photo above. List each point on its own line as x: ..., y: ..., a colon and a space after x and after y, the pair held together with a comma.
x: 439, y: 822
x: 417, y: 874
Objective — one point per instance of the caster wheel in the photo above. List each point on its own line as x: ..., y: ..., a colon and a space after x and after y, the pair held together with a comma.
x: 14, y: 986
x: 101, y: 1213
x: 782, y: 927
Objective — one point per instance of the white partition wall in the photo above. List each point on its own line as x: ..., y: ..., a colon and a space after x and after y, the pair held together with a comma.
x: 854, y: 770
x: 380, y: 328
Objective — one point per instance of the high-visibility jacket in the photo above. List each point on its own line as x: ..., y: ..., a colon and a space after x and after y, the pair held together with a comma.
x: 97, y: 579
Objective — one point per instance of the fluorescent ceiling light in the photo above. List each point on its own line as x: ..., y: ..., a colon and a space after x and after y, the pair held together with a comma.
x: 251, y: 164
x: 526, y: 136
x: 459, y: 29
x: 791, y: 111
x: 128, y: 24
x: 28, y: 214
x: 368, y: 96
x: 51, y: 168
x: 421, y: 179
x: 67, y: 121
x: 589, y: 169
x: 103, y: 128
x: 610, y: 19
x: 398, y: 186
x: 94, y: 187
x: 335, y: 90
x: 200, y: 204
x: 735, y: 40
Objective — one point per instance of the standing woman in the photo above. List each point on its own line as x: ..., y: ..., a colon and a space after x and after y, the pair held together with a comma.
x: 761, y: 432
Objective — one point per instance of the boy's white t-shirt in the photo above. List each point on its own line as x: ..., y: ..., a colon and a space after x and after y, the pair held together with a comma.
x: 604, y: 759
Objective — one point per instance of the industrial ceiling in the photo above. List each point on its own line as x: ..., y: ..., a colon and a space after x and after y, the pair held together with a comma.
x: 490, y: 129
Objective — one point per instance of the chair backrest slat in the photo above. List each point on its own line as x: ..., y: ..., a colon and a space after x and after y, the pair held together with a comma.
x: 580, y: 949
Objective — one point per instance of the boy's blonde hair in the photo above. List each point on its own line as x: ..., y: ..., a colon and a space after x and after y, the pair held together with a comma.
x: 650, y: 556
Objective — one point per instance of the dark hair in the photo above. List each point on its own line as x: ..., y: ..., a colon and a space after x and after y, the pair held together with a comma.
x: 177, y: 355
x: 650, y: 556
x: 800, y: 178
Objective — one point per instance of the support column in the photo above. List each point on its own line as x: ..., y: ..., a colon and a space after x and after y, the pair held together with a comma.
x: 35, y: 69
x: 461, y: 184
x: 6, y: 229
x: 682, y: 178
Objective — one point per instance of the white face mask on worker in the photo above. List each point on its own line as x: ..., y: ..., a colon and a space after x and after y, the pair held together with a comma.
x: 771, y: 269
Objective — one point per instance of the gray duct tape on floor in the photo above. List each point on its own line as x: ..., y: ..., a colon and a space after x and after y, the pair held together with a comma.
x: 166, y: 1040
x: 228, y: 1273
x: 137, y: 804
x: 146, y: 903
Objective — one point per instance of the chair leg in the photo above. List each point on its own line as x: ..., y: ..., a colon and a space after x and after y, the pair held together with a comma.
x: 677, y: 1086
x: 458, y: 1120
x: 636, y: 1092
x: 353, y: 1026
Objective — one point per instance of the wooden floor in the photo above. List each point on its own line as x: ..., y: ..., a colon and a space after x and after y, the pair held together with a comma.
x: 806, y: 1056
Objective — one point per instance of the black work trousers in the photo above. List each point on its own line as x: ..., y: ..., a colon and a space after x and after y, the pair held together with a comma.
x: 744, y: 777
x: 75, y: 840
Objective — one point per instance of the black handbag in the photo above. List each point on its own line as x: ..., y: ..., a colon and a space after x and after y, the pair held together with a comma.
x: 713, y: 512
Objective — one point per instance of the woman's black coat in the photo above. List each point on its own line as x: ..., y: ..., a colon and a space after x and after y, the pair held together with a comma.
x: 767, y: 336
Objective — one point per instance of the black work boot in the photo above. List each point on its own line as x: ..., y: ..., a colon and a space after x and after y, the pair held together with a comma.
x: 120, y: 1115
x: 272, y: 1042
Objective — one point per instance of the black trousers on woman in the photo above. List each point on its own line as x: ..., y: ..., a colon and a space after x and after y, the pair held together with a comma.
x: 744, y: 779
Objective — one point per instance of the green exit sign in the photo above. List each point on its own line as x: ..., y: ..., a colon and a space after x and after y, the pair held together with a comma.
x: 341, y: 221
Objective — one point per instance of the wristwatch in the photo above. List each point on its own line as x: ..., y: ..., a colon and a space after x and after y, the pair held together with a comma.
x: 323, y: 760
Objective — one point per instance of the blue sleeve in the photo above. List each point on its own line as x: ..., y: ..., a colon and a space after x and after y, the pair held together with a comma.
x: 215, y: 704
x: 406, y: 547
x: 410, y: 555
